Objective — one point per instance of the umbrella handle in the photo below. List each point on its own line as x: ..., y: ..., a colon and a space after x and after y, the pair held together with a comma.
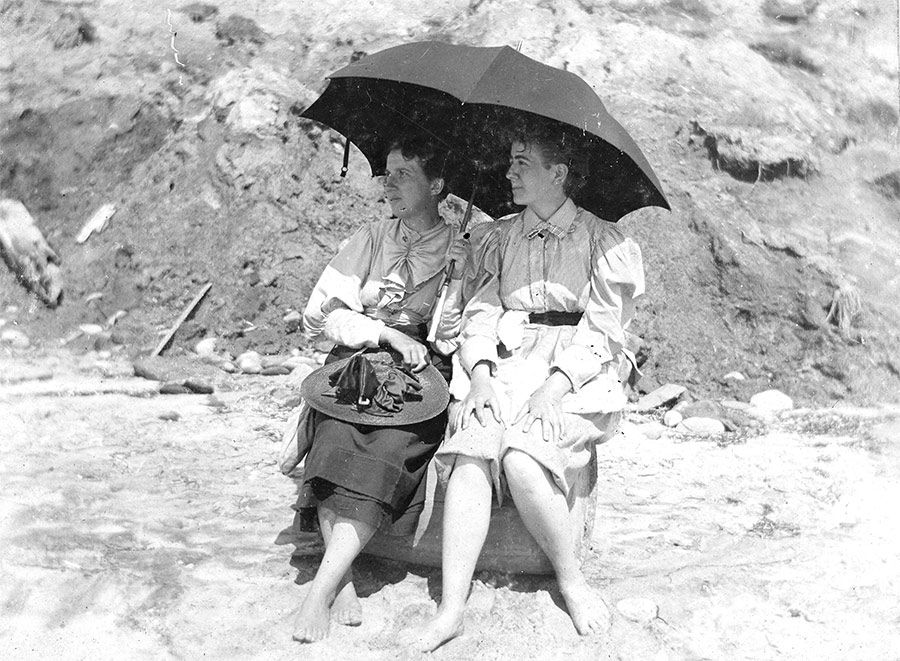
x: 439, y: 307
x: 344, y: 167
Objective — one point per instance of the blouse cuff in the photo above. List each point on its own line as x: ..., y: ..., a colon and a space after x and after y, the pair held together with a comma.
x: 475, y: 349
x: 580, y: 364
x: 353, y: 329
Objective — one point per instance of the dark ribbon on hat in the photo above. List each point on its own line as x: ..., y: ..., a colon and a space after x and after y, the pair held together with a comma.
x: 363, y: 383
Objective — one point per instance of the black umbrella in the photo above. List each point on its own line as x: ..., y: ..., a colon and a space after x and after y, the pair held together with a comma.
x: 467, y: 97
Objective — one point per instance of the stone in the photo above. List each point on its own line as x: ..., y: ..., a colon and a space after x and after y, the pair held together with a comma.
x: 638, y: 609
x: 164, y: 368
x: 228, y: 366
x: 703, y: 408
x: 651, y: 430
x: 21, y: 374
x: 662, y: 395
x: 697, y: 425
x: 198, y: 387
x: 170, y: 416
x: 292, y: 321
x: 6, y: 63
x: 275, y: 370
x: 672, y: 418
x: 789, y: 11
x: 174, y: 388
x: 286, y: 398
x: 250, y: 362
x: 771, y: 401
x: 15, y: 338
x: 734, y: 376
x: 91, y: 329
x: 206, y: 346
x: 117, y: 336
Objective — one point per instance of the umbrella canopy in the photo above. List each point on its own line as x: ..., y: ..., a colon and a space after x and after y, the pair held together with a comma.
x: 467, y: 97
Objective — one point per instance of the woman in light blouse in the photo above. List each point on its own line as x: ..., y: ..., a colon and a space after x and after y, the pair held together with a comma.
x: 542, y: 336
x: 379, y: 290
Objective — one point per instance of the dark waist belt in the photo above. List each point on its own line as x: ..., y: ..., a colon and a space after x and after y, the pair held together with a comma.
x: 554, y: 318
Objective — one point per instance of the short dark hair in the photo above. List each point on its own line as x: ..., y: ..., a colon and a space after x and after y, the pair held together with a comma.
x: 557, y: 144
x: 431, y: 154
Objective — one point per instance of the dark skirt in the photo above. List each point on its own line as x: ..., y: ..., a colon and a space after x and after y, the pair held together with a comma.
x: 373, y: 474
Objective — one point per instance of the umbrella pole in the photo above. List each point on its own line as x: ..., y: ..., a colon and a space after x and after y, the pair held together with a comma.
x: 451, y: 266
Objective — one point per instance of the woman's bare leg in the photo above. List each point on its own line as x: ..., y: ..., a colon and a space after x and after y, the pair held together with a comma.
x: 346, y: 608
x: 544, y: 511
x: 467, y: 514
x: 347, y: 539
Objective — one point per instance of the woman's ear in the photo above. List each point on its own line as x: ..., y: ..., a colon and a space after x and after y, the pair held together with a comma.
x: 560, y: 172
x: 437, y: 185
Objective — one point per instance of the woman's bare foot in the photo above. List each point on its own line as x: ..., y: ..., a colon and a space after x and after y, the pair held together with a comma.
x: 312, y: 620
x: 443, y: 627
x: 346, y: 608
x: 587, y: 609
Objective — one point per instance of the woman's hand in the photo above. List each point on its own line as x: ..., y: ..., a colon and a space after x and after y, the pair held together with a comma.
x: 545, y: 405
x: 414, y: 353
x: 481, y: 396
x: 459, y: 254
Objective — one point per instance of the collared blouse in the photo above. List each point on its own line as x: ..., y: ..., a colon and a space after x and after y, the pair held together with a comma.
x: 386, y: 274
x: 572, y: 262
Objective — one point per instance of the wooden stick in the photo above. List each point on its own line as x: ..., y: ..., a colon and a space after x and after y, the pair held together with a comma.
x: 181, y: 319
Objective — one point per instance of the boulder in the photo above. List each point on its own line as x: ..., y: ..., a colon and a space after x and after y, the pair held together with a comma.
x: 750, y: 154
x: 27, y: 253
x: 249, y: 362
x: 703, y: 408
x: 771, y: 401
x: 697, y: 425
x: 661, y: 396
x: 672, y: 418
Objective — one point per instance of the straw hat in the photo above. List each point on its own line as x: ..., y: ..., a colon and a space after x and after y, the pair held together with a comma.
x: 374, y: 388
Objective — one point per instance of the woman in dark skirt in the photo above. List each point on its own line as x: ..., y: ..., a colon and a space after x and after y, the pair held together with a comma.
x: 378, y: 291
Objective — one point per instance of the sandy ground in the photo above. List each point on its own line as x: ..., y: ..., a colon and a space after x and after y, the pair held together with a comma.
x: 124, y: 534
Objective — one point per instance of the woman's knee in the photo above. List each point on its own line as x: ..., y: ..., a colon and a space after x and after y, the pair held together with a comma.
x: 519, y: 466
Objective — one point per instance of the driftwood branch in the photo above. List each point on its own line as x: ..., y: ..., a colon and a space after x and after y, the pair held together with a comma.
x: 187, y: 312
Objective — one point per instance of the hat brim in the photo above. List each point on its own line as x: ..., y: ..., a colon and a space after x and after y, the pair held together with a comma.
x: 320, y: 395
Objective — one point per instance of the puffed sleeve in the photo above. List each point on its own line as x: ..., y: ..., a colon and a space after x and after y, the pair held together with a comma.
x: 617, y: 279
x: 335, y: 311
x: 481, y: 293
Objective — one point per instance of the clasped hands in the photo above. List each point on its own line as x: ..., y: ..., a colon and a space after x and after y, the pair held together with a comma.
x: 544, y: 405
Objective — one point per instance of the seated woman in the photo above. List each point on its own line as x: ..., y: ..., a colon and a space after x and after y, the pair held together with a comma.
x: 379, y: 290
x: 541, y: 341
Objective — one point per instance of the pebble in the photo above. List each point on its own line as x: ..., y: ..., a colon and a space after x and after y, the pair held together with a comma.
x: 697, y: 425
x: 170, y: 416
x: 292, y: 321
x: 250, y: 362
x: 672, y: 418
x: 734, y: 376
x: 638, y: 609
x: 15, y: 338
x: 771, y: 401
x: 6, y: 63
x: 206, y: 346
x: 228, y: 366
x: 90, y: 329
